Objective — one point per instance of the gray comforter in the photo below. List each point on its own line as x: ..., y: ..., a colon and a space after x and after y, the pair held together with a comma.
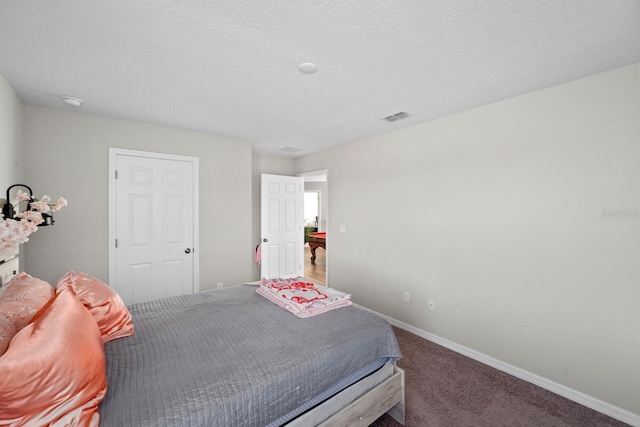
x: 230, y: 357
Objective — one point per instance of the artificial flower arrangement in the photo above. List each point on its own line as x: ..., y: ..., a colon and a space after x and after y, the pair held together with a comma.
x: 16, y: 231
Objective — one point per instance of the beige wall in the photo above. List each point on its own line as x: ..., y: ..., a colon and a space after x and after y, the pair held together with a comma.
x: 500, y: 214
x: 11, y: 136
x: 11, y: 128
x: 67, y: 154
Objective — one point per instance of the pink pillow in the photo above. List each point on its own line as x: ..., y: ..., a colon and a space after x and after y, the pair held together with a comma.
x: 104, y: 304
x: 53, y: 372
x: 23, y: 297
x: 7, y: 331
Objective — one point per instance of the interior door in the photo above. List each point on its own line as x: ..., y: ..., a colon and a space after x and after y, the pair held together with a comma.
x: 154, y: 228
x: 281, y: 224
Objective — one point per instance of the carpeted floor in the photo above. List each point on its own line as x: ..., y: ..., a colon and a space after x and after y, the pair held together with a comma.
x: 444, y: 388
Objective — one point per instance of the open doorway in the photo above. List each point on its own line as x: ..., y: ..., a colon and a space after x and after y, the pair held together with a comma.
x: 316, y: 219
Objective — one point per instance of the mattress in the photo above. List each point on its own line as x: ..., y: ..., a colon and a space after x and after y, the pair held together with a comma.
x: 230, y: 357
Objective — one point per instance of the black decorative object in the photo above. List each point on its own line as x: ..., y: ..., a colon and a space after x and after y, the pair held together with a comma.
x: 9, y: 212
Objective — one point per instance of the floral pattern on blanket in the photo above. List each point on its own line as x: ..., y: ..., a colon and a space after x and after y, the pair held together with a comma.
x: 299, y: 292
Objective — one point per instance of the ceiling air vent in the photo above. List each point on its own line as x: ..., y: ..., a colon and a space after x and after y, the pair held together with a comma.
x: 397, y: 116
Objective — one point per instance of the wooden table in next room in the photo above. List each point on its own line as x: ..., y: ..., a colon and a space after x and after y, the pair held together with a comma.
x: 317, y: 240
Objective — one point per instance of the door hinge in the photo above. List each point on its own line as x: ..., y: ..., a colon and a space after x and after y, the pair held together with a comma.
x: 116, y: 173
x: 116, y: 243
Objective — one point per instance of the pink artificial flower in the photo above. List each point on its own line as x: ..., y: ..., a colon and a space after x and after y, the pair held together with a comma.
x: 29, y: 227
x: 32, y: 216
x: 14, y: 232
x: 5, y: 234
x: 22, y: 197
x: 41, y: 206
x: 60, y: 203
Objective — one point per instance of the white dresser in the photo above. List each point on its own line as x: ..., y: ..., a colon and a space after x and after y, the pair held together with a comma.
x: 8, y: 270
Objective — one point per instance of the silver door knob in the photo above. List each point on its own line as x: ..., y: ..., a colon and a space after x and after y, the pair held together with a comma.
x: 265, y: 240
x: 187, y: 251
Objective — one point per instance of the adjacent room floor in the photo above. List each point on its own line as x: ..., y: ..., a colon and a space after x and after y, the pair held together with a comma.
x: 317, y: 272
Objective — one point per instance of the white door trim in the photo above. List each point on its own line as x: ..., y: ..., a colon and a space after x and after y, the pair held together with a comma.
x: 113, y: 152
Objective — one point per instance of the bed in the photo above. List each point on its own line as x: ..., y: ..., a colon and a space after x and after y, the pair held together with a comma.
x: 230, y: 357
x: 74, y: 354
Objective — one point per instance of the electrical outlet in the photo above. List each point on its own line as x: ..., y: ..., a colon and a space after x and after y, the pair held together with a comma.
x: 406, y: 297
x: 431, y: 304
x: 220, y: 285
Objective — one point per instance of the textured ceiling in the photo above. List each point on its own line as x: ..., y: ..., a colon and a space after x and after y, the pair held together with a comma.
x: 230, y: 66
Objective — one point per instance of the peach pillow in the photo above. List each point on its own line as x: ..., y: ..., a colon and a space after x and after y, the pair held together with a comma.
x: 54, y: 371
x: 7, y: 331
x: 104, y: 304
x: 23, y: 297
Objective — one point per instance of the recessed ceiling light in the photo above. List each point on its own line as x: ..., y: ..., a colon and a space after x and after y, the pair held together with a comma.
x: 308, y: 68
x: 71, y: 101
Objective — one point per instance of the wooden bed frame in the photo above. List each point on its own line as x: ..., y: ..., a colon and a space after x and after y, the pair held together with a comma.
x: 386, y: 397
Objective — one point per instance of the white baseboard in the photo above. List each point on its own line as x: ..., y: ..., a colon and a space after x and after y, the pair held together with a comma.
x: 569, y: 393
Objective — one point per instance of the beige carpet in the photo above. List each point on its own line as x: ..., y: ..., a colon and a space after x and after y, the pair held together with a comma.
x: 444, y: 388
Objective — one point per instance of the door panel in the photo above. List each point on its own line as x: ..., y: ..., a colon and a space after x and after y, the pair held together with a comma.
x: 282, y: 250
x: 140, y: 220
x: 290, y: 252
x: 138, y: 283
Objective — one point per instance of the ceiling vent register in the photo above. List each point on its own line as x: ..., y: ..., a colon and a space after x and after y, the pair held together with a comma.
x: 290, y: 149
x: 397, y: 116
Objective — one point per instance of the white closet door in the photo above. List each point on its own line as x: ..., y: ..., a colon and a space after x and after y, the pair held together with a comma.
x: 154, y: 228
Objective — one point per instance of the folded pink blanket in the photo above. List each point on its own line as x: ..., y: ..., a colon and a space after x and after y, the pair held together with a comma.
x: 301, y: 298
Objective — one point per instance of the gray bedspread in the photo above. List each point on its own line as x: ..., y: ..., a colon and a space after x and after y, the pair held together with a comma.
x: 230, y: 357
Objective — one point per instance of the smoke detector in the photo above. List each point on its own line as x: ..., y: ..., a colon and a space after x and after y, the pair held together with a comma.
x: 308, y: 68
x: 71, y: 101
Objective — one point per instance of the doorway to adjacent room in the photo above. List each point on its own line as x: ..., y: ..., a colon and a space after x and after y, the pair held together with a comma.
x: 316, y: 220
